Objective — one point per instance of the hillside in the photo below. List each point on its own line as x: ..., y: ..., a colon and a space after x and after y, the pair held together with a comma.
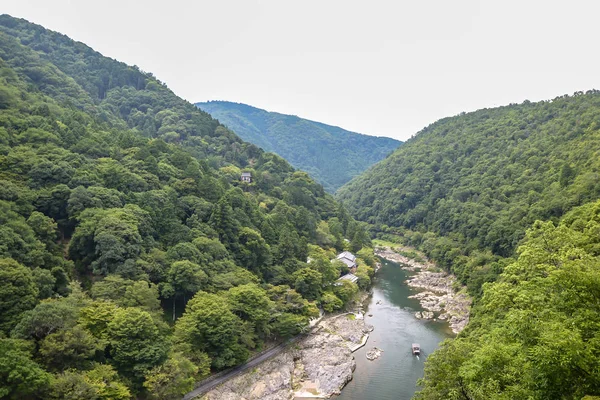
x: 507, y: 200
x: 133, y: 260
x: 535, y: 332
x: 331, y: 155
x: 479, y: 180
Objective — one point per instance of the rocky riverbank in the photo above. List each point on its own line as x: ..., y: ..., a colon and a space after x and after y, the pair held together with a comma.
x: 409, y: 264
x: 317, y: 366
x: 439, y: 298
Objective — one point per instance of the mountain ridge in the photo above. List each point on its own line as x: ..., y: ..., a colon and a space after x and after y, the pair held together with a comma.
x: 480, y: 179
x: 506, y: 199
x: 331, y: 154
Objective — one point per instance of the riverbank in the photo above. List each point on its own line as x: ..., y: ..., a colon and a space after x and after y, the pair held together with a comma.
x: 439, y: 297
x: 317, y: 366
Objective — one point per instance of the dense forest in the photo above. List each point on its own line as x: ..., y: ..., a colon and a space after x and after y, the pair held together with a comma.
x: 507, y: 200
x: 535, y: 333
x: 331, y: 155
x: 466, y: 188
x: 133, y: 260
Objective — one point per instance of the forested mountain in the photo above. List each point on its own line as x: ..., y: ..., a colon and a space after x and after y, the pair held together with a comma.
x: 507, y: 200
x: 471, y: 185
x: 331, y: 155
x: 121, y: 206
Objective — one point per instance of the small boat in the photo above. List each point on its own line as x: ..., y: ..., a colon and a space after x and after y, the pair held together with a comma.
x: 416, y: 349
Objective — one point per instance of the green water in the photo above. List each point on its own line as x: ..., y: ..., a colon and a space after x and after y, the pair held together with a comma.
x: 394, y: 375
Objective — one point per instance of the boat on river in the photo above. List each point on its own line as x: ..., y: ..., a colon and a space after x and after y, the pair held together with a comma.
x: 416, y: 349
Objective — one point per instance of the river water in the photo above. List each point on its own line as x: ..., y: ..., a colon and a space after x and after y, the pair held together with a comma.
x: 393, y: 376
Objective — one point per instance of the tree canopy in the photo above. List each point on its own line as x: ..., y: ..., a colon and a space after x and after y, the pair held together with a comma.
x: 122, y: 208
x: 535, y: 333
x: 466, y: 188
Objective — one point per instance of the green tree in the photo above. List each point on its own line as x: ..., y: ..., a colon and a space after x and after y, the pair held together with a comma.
x: 346, y: 290
x: 171, y: 380
x: 68, y: 348
x: 251, y: 303
x: 127, y: 293
x: 329, y: 271
x: 209, y: 325
x: 330, y: 302
x: 136, y: 345
x: 287, y: 325
x: 45, y: 282
x: 18, y: 239
x: 108, y: 238
x: 364, y: 280
x: 359, y: 238
x: 289, y: 300
x: 184, y: 279
x: 184, y: 252
x: 18, y: 292
x: 72, y: 385
x: 254, y: 253
x: 47, y: 317
x: 20, y: 376
x: 234, y: 277
x: 45, y: 229
x: 96, y: 316
x: 308, y: 283
x: 223, y: 221
x: 337, y: 230
x: 211, y: 249
x: 537, y: 323
x: 107, y: 383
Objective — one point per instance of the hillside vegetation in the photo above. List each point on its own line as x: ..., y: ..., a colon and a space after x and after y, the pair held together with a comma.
x: 506, y: 199
x: 535, y: 333
x: 466, y: 188
x: 331, y: 155
x: 133, y: 261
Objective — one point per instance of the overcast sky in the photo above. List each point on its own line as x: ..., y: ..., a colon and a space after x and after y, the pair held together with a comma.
x: 385, y: 68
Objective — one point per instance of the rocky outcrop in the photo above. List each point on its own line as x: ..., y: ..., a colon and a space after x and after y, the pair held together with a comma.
x: 272, y: 380
x: 440, y: 298
x: 316, y: 366
x: 451, y: 307
x: 424, y: 315
x: 438, y: 282
x: 408, y: 263
x: 373, y: 354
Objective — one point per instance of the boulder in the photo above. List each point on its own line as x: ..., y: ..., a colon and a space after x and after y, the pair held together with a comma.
x: 373, y: 354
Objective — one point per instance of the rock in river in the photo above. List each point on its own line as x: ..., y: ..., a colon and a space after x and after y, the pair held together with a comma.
x: 373, y: 353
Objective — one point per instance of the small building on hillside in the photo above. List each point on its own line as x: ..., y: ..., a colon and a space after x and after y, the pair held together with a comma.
x: 246, y: 177
x: 349, y: 277
x: 349, y: 259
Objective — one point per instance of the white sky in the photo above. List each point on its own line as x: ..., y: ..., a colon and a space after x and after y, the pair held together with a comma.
x: 385, y: 68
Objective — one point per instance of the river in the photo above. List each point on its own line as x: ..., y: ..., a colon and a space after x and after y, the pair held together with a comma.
x: 394, y: 375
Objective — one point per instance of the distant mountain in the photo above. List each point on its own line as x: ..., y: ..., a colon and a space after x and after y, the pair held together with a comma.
x: 329, y: 154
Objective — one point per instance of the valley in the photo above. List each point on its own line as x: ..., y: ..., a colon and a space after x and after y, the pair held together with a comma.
x: 148, y: 243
